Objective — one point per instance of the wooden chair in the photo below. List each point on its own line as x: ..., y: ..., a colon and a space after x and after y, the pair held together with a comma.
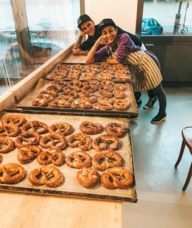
x: 187, y: 141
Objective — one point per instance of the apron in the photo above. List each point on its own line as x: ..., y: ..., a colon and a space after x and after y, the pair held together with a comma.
x: 151, y: 75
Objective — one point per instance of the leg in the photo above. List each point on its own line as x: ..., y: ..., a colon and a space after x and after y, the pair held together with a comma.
x: 188, y: 178
x: 152, y: 99
x: 162, y: 105
x: 137, y: 97
x: 180, y: 154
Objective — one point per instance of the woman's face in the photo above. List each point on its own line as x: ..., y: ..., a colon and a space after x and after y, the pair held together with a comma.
x: 88, y: 27
x: 110, y: 32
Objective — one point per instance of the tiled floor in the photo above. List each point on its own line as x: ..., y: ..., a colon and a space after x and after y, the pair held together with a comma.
x: 161, y: 203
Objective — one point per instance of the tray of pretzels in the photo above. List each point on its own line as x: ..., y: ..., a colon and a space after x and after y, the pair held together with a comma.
x: 98, y: 71
x: 57, y: 154
x: 114, y: 99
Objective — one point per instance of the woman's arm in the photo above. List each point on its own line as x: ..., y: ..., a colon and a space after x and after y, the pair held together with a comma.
x: 100, y: 41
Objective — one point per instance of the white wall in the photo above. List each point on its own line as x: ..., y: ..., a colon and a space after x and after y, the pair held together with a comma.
x: 123, y: 12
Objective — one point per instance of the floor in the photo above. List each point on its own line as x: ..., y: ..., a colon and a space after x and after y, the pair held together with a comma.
x: 161, y: 203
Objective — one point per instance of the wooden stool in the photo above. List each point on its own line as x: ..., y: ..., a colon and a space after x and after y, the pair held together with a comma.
x: 187, y: 140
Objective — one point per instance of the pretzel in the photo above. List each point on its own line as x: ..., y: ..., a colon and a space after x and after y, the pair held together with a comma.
x: 88, y: 177
x: 116, y: 129
x: 90, y: 128
x: 121, y: 104
x: 80, y: 140
x: 53, y: 141
x: 37, y: 126
x: 103, y: 104
x: 118, y: 94
x: 56, y: 157
x: 14, y: 119
x: 106, y: 142
x: 11, y: 173
x: 78, y: 160
x: 6, y: 145
x: 46, y: 175
x: 62, y: 128
x: 27, y: 139
x: 107, y: 159
x: 27, y: 154
x: 9, y: 130
x: 61, y: 101
x: 116, y: 178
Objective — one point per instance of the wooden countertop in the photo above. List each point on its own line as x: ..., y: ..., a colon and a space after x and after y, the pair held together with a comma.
x: 20, y: 210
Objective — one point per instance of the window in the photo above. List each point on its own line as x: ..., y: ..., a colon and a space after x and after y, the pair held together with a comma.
x: 167, y: 17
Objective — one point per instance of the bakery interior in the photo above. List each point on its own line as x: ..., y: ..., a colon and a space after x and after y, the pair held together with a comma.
x: 36, y: 37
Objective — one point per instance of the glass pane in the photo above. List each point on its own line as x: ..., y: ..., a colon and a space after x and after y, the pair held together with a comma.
x: 167, y: 17
x: 52, y: 23
x: 10, y: 62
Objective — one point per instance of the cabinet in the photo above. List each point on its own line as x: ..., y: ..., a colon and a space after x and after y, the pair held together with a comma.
x: 174, y: 54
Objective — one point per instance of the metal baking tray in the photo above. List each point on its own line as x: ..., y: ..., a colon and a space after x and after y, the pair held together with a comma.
x: 71, y: 188
x: 82, y: 75
x: 26, y: 103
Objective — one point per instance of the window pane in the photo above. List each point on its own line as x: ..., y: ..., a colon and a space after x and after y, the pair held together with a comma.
x: 52, y: 23
x: 170, y: 17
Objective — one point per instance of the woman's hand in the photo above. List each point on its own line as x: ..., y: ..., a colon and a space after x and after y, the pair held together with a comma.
x: 112, y: 60
x: 102, y: 40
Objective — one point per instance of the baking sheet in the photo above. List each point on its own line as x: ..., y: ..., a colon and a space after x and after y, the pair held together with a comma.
x: 96, y: 71
x: 71, y: 187
x: 42, y: 84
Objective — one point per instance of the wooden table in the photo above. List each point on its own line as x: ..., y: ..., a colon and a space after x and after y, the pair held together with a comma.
x: 25, y: 210
x: 18, y: 210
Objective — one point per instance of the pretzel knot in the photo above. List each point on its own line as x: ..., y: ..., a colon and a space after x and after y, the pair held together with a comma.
x: 56, y: 158
x: 116, y: 178
x: 14, y: 119
x: 9, y: 130
x: 116, y: 129
x: 106, y: 142
x: 90, y: 128
x: 107, y: 159
x: 11, y: 173
x: 62, y: 128
x: 46, y: 175
x: 80, y: 140
x: 27, y: 154
x: 53, y: 141
x: 78, y: 160
x: 6, y: 145
x: 37, y: 126
x: 88, y: 177
x: 27, y: 139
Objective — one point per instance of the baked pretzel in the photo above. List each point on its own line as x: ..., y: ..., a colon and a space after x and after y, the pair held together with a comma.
x: 103, y: 104
x: 116, y: 129
x: 106, y: 142
x: 118, y: 94
x: 91, y: 128
x: 116, y: 178
x: 78, y: 160
x: 53, y: 141
x: 37, y: 126
x: 55, y: 157
x: 27, y: 139
x: 63, y: 101
x: 14, y: 119
x: 120, y: 87
x: 9, y: 130
x: 27, y: 154
x: 81, y: 141
x: 11, y: 173
x: 88, y: 177
x: 46, y: 175
x: 121, y: 104
x: 62, y: 128
x: 105, y: 93
x: 6, y: 145
x: 107, y: 159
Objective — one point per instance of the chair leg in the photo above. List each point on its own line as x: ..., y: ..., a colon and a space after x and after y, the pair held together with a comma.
x: 180, y: 154
x: 188, y: 178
